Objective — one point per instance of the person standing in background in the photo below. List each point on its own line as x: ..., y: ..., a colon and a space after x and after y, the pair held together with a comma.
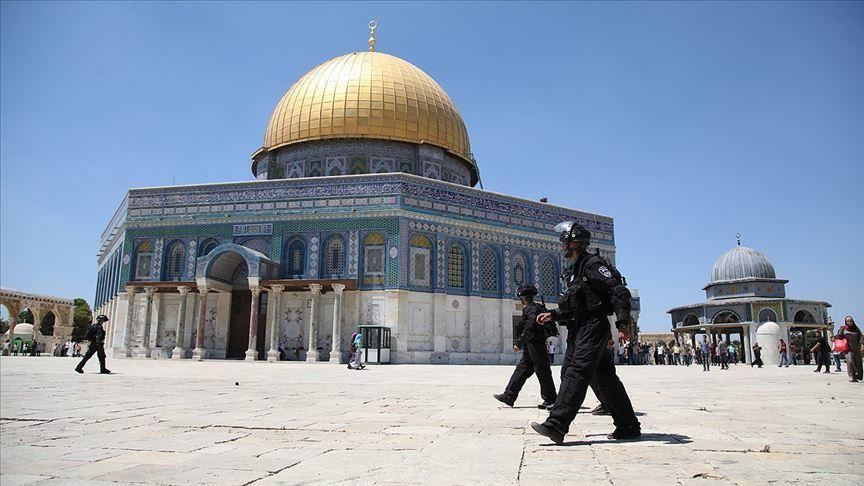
x: 783, y: 357
x: 852, y: 333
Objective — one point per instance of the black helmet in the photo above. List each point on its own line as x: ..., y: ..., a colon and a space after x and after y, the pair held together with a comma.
x: 101, y: 318
x: 526, y: 290
x: 570, y: 231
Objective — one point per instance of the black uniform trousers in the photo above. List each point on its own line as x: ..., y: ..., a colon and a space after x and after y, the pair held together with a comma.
x: 590, y: 363
x: 534, y: 360
x: 99, y: 351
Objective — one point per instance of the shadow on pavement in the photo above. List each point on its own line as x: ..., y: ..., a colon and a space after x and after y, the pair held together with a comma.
x: 673, y: 439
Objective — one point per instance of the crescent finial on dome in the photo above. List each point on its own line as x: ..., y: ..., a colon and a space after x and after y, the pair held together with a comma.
x: 372, y: 26
x: 738, y: 237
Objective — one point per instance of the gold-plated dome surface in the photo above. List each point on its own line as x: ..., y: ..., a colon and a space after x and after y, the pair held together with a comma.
x: 368, y: 95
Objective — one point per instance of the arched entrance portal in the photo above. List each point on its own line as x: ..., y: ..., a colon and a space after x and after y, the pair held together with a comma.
x: 238, y: 271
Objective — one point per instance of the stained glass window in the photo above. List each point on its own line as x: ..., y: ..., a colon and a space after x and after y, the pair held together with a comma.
x: 334, y: 254
x: 143, y: 260
x: 456, y: 266
x: 548, y: 277
x: 518, y: 269
x: 420, y: 255
x: 207, y: 246
x: 295, y: 258
x: 490, y: 270
x: 176, y: 260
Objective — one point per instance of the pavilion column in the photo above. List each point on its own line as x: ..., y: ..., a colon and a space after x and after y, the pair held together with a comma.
x: 144, y: 350
x: 199, y: 352
x: 275, y: 328
x: 336, y: 350
x: 126, y: 351
x: 179, y: 349
x: 312, y: 350
x: 252, y: 348
x: 748, y: 351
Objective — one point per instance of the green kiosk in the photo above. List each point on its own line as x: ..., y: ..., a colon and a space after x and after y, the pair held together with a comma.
x: 375, y: 344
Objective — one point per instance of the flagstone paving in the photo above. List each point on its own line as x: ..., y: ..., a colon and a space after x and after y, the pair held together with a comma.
x: 217, y: 422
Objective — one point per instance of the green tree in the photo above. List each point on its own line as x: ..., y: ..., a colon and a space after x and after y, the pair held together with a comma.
x: 81, y: 319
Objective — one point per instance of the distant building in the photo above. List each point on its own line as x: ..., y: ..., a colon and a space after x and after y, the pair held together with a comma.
x: 48, y: 319
x: 746, y: 301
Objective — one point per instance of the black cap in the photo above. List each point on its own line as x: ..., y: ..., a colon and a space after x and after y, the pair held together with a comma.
x: 101, y: 318
x: 526, y: 290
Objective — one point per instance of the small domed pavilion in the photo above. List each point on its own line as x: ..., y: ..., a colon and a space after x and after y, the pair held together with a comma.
x: 746, y: 301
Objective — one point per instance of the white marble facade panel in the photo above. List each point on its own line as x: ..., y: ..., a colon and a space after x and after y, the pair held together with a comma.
x: 168, y: 309
x: 420, y: 326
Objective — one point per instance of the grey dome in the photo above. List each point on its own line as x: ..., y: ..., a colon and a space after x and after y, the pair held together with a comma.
x: 740, y: 263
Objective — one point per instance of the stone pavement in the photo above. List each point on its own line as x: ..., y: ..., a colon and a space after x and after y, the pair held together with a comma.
x: 168, y: 422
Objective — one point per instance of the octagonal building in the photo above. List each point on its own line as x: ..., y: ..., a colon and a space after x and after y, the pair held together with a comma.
x: 363, y: 211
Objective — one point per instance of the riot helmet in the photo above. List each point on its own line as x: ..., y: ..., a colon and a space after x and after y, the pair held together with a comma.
x: 569, y: 232
x: 101, y: 318
x: 526, y: 290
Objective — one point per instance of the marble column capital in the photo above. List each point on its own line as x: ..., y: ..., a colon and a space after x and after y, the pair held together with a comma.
x: 278, y: 289
x: 150, y: 291
x: 183, y: 290
x: 256, y: 290
x: 315, y: 288
x: 338, y: 288
x: 131, y: 289
x: 203, y: 290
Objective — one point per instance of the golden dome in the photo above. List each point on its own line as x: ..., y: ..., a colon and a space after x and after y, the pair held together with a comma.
x: 368, y: 95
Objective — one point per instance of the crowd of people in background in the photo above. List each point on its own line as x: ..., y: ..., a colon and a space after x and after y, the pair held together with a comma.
x: 845, y: 346
x: 35, y: 348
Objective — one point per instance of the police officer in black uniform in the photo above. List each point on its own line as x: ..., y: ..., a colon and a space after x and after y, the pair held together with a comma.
x: 531, y: 338
x: 595, y: 290
x: 96, y: 336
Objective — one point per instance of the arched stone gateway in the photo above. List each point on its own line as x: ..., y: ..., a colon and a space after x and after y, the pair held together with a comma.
x: 51, y: 317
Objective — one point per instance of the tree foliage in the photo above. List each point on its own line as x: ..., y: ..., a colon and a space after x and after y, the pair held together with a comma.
x: 81, y: 319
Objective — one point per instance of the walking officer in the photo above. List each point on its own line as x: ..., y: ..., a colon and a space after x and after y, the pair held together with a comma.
x: 531, y: 338
x: 595, y: 290
x: 96, y: 336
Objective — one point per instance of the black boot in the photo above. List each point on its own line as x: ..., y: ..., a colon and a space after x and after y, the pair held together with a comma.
x: 503, y: 399
x: 79, y: 370
x: 548, y: 431
x: 626, y: 433
x: 546, y: 405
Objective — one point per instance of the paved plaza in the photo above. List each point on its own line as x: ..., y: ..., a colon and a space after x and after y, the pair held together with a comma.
x: 218, y: 422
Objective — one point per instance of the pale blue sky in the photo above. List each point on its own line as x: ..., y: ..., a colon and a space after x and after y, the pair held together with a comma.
x: 685, y: 122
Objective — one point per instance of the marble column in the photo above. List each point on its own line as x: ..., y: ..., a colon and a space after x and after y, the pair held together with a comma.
x: 199, y: 352
x: 144, y: 350
x: 126, y: 351
x: 336, y: 338
x: 312, y: 349
x: 179, y: 351
x: 252, y: 348
x: 748, y: 351
x: 275, y: 328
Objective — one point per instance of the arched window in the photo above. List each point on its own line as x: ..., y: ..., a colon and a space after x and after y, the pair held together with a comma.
x: 767, y: 315
x: 548, y: 276
x: 456, y: 267
x: 804, y: 317
x: 691, y: 320
x: 258, y: 244
x: 176, y: 262
x: 334, y: 257
x: 420, y: 254
x: 725, y: 317
x: 294, y: 258
x: 520, y: 270
x: 207, y: 246
x: 373, y: 259
x: 489, y: 271
x: 143, y: 260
